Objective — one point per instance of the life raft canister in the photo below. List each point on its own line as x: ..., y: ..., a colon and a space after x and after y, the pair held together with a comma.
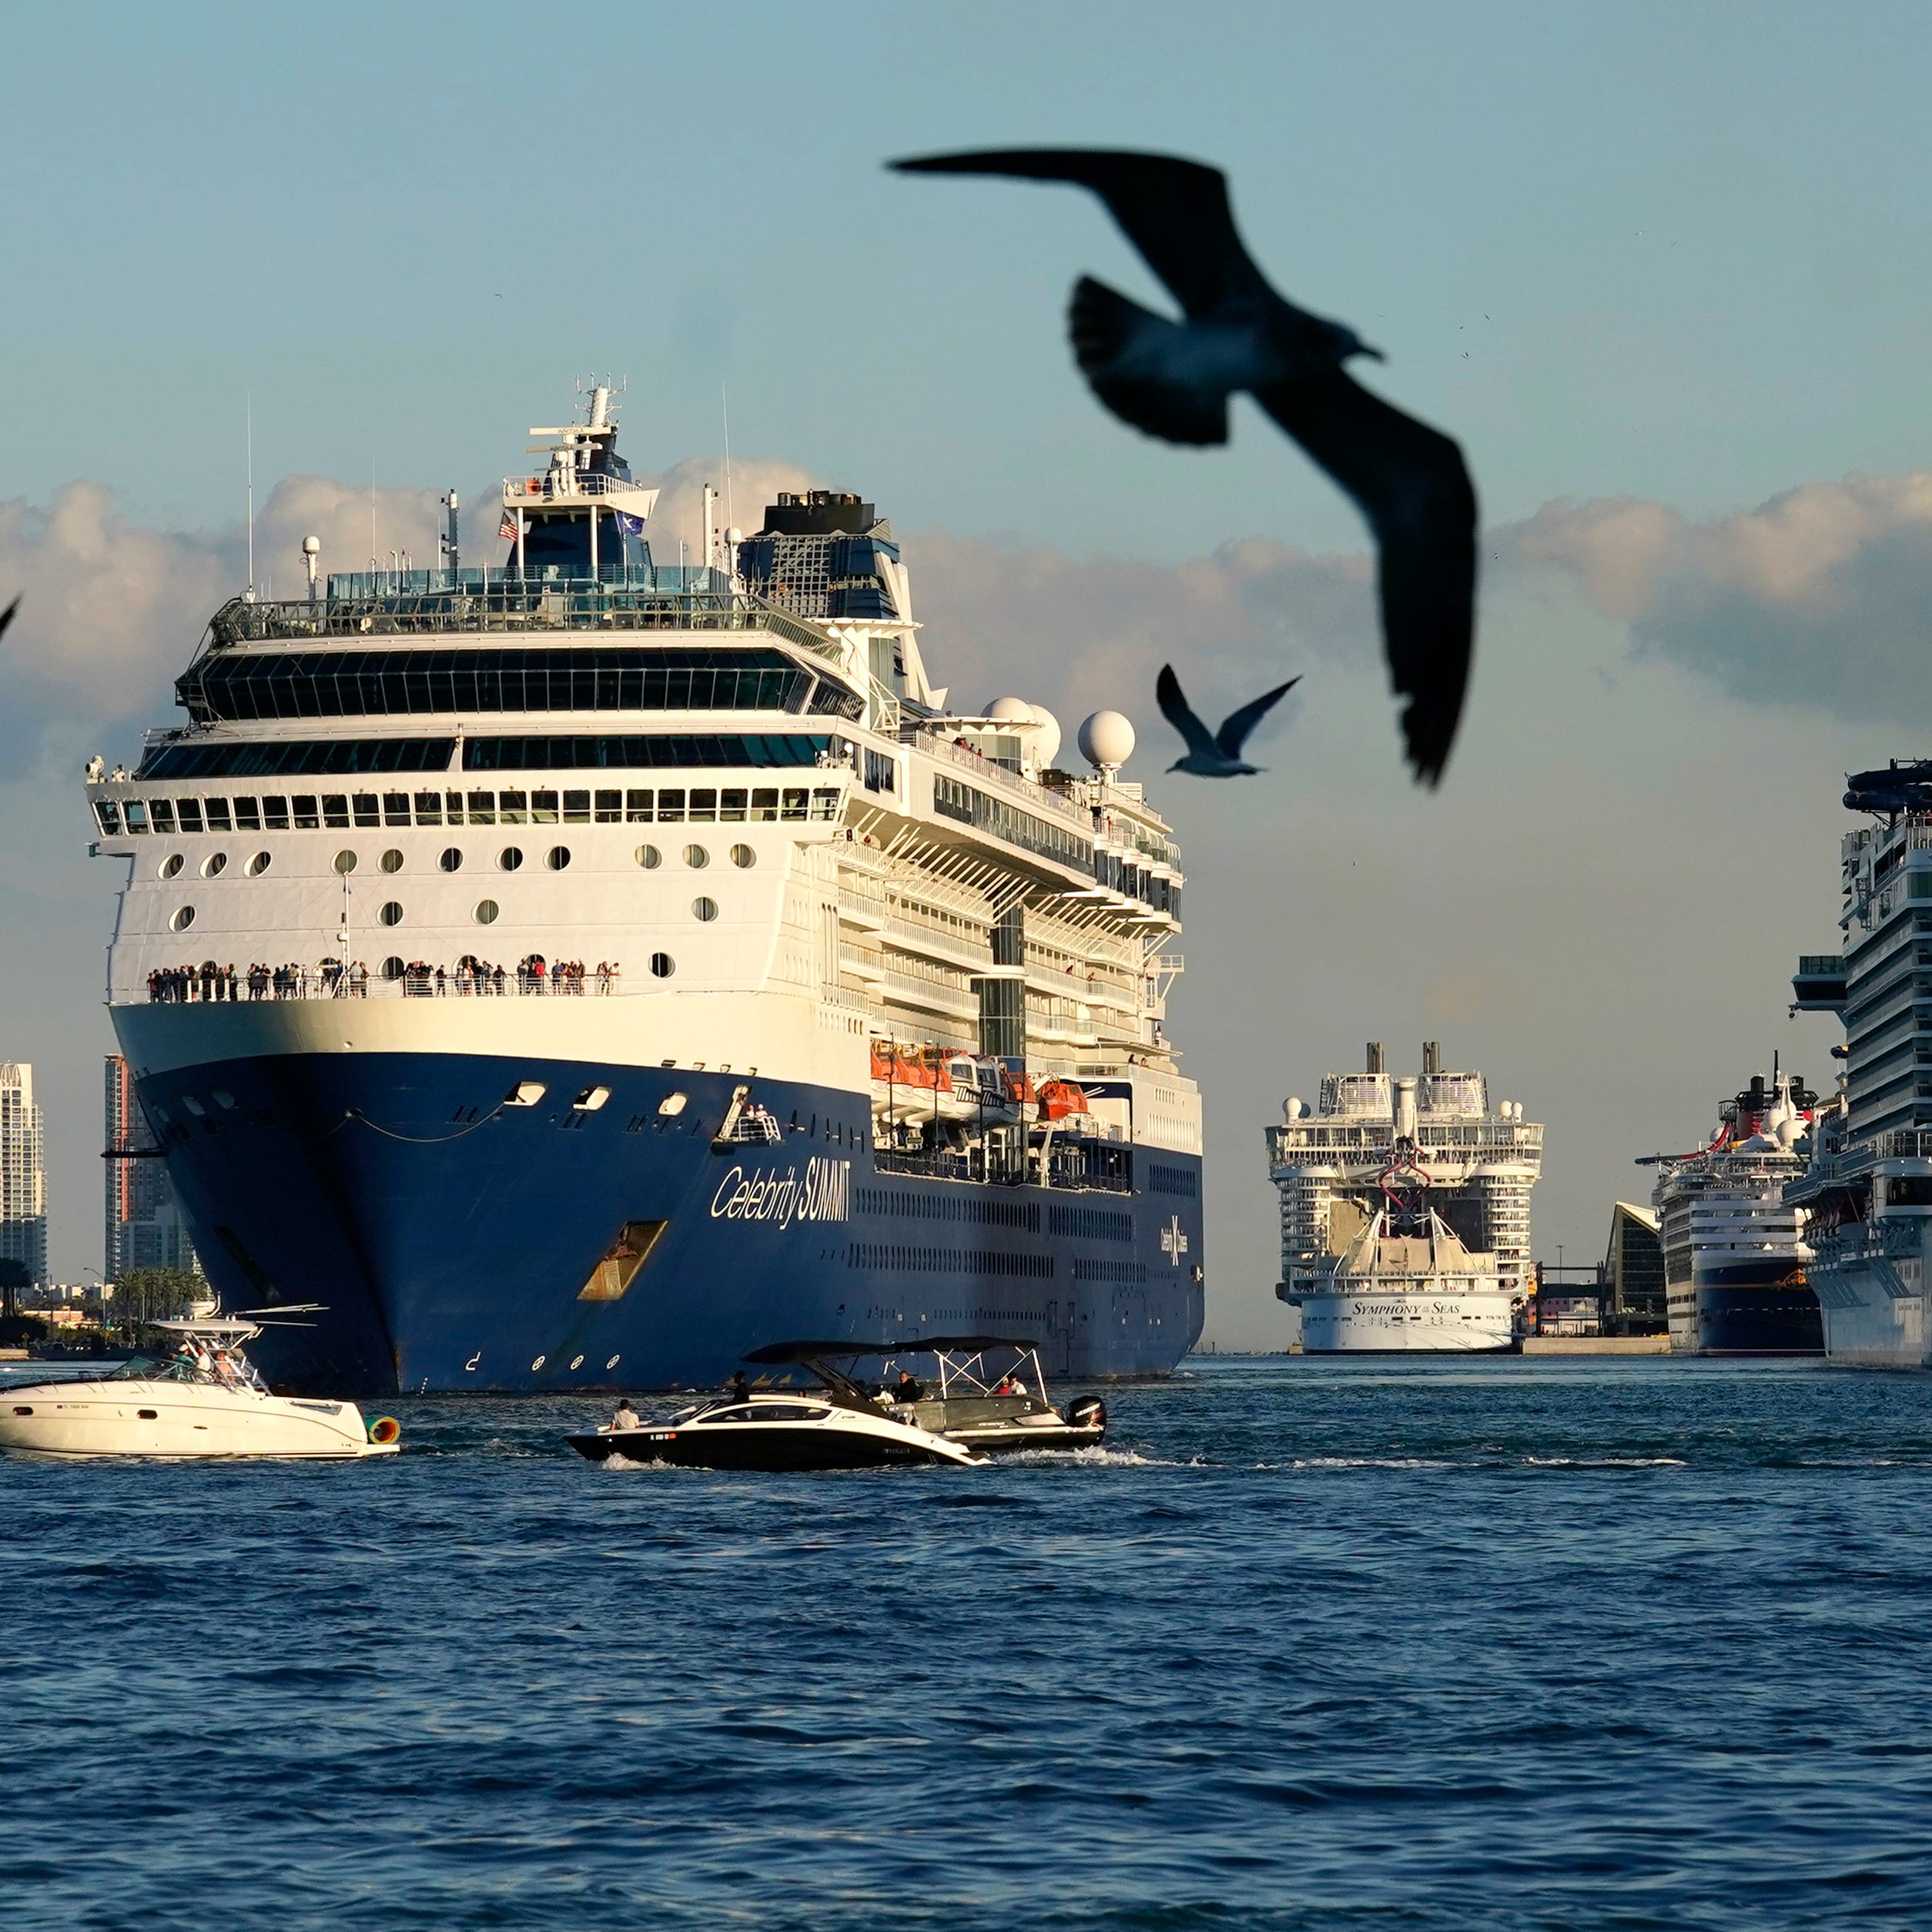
x: 384, y: 1430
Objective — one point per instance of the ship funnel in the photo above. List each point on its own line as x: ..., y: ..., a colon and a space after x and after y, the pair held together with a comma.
x: 1374, y: 1056
x: 1432, y: 1058
x: 1405, y: 1108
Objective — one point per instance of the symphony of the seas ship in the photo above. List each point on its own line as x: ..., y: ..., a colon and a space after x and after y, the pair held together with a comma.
x: 1405, y: 1212
x: 576, y: 971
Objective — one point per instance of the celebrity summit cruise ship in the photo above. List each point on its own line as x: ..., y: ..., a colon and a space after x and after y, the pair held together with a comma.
x: 1405, y: 1212
x: 573, y: 971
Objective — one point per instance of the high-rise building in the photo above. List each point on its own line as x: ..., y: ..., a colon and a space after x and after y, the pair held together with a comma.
x: 23, y: 1173
x: 144, y: 1225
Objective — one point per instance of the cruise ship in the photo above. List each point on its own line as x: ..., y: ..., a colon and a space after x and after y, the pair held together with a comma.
x: 1735, y: 1263
x: 573, y: 971
x: 1867, y: 1194
x: 1405, y: 1212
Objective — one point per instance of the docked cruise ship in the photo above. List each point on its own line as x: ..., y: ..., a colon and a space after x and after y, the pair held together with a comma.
x: 1405, y: 1212
x: 575, y: 971
x: 1735, y: 1263
x: 1866, y: 1195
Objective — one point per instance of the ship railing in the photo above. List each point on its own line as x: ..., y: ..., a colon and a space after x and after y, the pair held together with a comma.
x: 226, y: 986
x: 1036, y: 798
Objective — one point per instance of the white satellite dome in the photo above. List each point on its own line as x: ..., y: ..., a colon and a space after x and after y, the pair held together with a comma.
x: 1107, y: 740
x: 1011, y: 711
x: 1047, y: 736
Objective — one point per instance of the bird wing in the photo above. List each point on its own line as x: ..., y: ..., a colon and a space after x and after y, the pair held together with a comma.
x: 6, y: 616
x: 1125, y: 351
x: 1411, y: 483
x: 1174, y: 211
x: 1174, y: 707
x: 1238, y: 725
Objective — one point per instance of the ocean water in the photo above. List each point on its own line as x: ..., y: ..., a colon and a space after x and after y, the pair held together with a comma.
x: 1512, y: 1643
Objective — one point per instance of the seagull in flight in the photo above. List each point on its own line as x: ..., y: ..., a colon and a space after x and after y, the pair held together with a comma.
x: 1172, y: 380
x: 1214, y: 755
x: 6, y: 616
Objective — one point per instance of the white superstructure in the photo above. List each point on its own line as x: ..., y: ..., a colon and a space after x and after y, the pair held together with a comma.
x: 1405, y: 1211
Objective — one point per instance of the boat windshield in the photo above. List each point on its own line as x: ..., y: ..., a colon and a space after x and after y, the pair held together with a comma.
x: 229, y: 1371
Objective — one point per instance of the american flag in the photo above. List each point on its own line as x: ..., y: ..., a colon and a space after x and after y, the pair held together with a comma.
x: 508, y: 526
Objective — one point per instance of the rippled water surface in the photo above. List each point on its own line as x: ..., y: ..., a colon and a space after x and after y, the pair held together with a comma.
x: 1511, y: 1643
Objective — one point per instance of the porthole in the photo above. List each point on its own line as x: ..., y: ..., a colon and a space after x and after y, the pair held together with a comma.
x: 451, y: 861
x: 259, y: 864
x: 577, y: 1361
x: 612, y: 1362
x: 536, y: 1364
x: 171, y: 866
x: 510, y: 858
x: 486, y: 913
x: 214, y: 865
x: 743, y: 858
x: 345, y: 862
x: 184, y: 918
x: 650, y: 858
x: 557, y: 858
x: 391, y: 914
x: 696, y: 858
x: 392, y: 860
x: 392, y: 968
x: 663, y: 965
x: 703, y: 909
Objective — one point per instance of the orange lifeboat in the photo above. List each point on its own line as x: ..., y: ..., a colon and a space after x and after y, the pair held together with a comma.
x: 1060, y: 1099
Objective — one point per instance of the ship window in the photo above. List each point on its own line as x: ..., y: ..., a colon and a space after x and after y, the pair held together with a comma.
x: 510, y: 858
x: 215, y: 863
x: 671, y: 808
x: 672, y: 1103
x: 650, y: 858
x: 621, y: 1260
x: 824, y: 804
x: 396, y: 808
x: 393, y: 968
x: 137, y: 815
x: 511, y: 807
x: 391, y: 861
x: 1909, y: 1190
x: 164, y: 816
x: 765, y: 802
x: 743, y: 858
x: 483, y: 808
x: 705, y: 909
x: 577, y: 808
x: 486, y: 911
x: 184, y: 918
x: 345, y: 862
x: 637, y: 806
x: 524, y: 1093
x: 703, y: 806
x: 335, y: 810
x: 557, y: 858
x: 275, y: 814
x: 452, y: 807
x: 188, y: 811
x: 610, y: 807
x: 543, y: 808
x: 217, y: 810
x: 731, y: 805
x: 171, y: 866
x: 663, y: 966
x: 795, y: 803
x: 591, y: 1099
x: 368, y: 809
x: 306, y: 810
x: 148, y: 1414
x: 259, y: 864
x: 452, y: 860
x: 391, y: 914
x: 696, y: 858
x: 108, y: 813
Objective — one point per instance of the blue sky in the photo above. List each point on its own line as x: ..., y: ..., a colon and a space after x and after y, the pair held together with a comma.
x: 1679, y: 256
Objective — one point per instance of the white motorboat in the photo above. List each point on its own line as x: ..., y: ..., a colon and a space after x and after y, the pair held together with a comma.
x: 204, y: 1399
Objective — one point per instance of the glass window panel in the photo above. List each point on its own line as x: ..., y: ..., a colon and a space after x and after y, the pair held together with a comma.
x: 395, y: 808
x: 824, y: 804
x: 189, y: 812
x: 164, y: 815
x: 610, y: 807
x: 109, y: 814
x: 637, y: 806
x: 368, y: 812
x: 335, y: 810
x: 453, y: 808
x: 703, y: 806
x: 429, y: 808
x: 577, y: 808
x: 543, y: 808
x: 671, y: 808
x: 307, y: 812
x: 795, y: 803
x: 217, y: 811
x: 137, y: 815
x: 248, y: 815
x: 275, y: 814
x: 731, y: 805
x: 483, y: 808
x: 512, y: 807
x: 765, y: 802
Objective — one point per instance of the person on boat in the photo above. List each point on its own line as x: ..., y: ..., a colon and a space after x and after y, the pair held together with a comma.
x: 740, y: 1390
x: 1005, y: 1387
x: 907, y: 1389
x: 626, y: 1418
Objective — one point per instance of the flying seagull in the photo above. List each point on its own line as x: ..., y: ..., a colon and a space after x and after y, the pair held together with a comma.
x: 6, y: 616
x: 1214, y: 755
x: 1172, y: 380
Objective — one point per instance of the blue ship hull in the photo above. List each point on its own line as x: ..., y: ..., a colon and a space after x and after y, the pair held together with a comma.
x: 1758, y: 1308
x: 450, y: 1238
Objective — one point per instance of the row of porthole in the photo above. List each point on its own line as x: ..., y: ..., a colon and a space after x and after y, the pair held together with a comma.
x: 487, y: 912
x: 509, y: 859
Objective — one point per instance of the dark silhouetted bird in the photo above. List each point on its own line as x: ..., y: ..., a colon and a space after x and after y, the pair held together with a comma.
x: 1172, y: 380
x: 1214, y: 755
x: 6, y: 616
